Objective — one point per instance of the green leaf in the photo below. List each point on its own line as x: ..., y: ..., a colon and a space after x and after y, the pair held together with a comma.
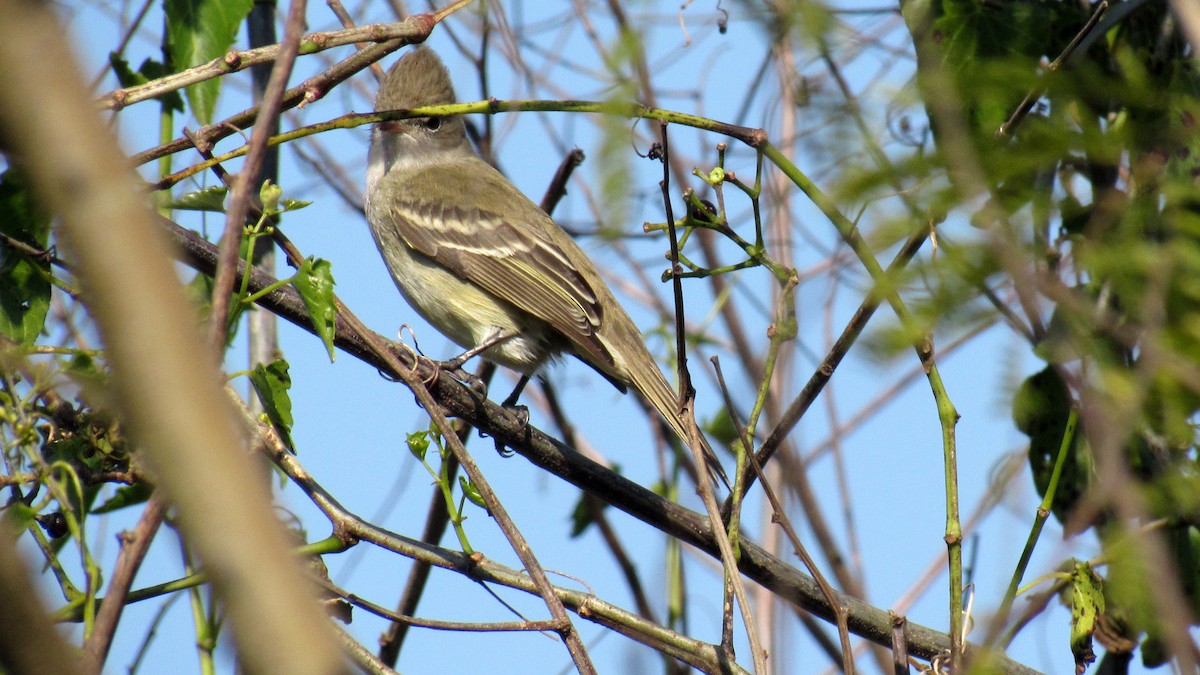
x: 128, y: 495
x: 205, y: 199
x: 199, y: 31
x: 24, y: 278
x: 314, y: 281
x: 271, y: 383
x: 721, y: 428
x: 127, y: 76
x: 90, y: 376
x: 418, y: 444
x: 149, y: 70
x: 1087, y: 604
x: 200, y: 289
x: 581, y: 515
x: 287, y: 204
x: 1041, y: 407
x: 471, y: 492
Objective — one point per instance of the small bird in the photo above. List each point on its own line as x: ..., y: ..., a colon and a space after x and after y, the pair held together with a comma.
x: 482, y: 263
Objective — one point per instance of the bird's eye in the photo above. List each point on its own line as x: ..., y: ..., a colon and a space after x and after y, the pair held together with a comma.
x: 433, y: 123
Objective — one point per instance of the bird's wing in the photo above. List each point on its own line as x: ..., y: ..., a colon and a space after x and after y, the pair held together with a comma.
x: 523, y: 263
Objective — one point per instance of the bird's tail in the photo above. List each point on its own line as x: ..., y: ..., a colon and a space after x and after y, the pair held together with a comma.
x: 651, y: 384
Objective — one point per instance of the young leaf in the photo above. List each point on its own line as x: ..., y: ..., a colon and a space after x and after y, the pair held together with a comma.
x: 418, y: 444
x: 286, y: 204
x: 581, y: 515
x: 1040, y: 409
x: 1087, y: 604
x: 269, y: 194
x: 314, y: 281
x: 271, y: 383
x: 211, y: 198
x: 128, y: 495
x: 471, y: 492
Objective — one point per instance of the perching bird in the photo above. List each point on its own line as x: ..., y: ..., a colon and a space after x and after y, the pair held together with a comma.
x: 480, y: 261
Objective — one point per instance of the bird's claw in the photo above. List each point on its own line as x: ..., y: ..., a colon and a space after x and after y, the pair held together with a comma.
x: 521, y: 412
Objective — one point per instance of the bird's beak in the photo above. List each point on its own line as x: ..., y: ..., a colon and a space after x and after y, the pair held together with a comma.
x: 393, y: 127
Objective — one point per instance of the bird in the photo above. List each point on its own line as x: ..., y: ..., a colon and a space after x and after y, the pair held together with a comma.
x: 482, y: 263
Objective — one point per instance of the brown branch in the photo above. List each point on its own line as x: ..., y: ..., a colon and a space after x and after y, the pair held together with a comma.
x: 234, y: 61
x: 37, y: 647
x: 134, y: 546
x: 308, y: 91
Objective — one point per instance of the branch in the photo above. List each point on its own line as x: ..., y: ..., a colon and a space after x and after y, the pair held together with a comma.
x: 414, y: 29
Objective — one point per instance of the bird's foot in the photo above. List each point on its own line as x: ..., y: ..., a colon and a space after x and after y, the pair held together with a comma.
x: 521, y: 412
x: 455, y: 368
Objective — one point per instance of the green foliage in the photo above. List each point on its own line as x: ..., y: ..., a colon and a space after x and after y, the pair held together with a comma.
x: 991, y: 49
x: 989, y: 53
x: 199, y: 291
x: 418, y: 444
x: 1041, y: 407
x: 271, y: 383
x: 581, y: 515
x: 721, y: 428
x: 199, y: 31
x: 149, y: 70
x: 614, y: 160
x: 1088, y: 237
x: 273, y: 201
x: 1093, y: 194
x: 314, y: 281
x: 24, y: 277
x: 17, y: 516
x: 471, y: 492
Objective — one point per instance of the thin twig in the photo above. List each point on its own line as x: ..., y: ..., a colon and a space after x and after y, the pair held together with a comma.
x: 134, y: 546
x: 339, y: 10
x: 779, y: 516
x: 732, y: 580
x: 1032, y: 97
x: 308, y: 91
x: 235, y: 61
x: 239, y: 200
